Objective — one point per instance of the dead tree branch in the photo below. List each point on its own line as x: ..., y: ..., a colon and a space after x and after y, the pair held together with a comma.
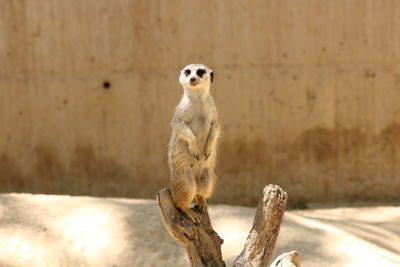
x: 203, y: 245
x: 264, y: 233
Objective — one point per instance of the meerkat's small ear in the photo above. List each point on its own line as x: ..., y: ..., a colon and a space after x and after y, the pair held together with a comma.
x: 212, y: 76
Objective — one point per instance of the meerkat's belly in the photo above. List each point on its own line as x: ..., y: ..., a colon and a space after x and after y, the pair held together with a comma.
x: 200, y: 126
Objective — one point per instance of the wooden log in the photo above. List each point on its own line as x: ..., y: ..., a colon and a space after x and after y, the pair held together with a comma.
x: 202, y: 243
x: 264, y: 233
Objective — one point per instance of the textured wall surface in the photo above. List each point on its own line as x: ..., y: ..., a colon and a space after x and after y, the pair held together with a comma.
x: 308, y: 94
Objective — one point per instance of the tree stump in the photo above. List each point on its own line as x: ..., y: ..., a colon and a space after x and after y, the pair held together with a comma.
x: 203, y: 245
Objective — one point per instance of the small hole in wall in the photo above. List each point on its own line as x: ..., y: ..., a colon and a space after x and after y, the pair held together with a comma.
x: 106, y: 85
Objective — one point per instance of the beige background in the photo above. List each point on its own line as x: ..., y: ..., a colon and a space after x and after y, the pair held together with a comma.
x: 308, y: 94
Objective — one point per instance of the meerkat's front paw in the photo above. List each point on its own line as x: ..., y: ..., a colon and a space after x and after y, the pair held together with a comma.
x: 207, y: 152
x: 194, y: 150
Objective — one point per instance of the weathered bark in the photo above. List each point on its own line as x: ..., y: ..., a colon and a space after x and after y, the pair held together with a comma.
x: 203, y: 245
x: 267, y: 221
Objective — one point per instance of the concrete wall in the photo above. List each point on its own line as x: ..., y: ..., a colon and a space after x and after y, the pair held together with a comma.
x: 308, y: 94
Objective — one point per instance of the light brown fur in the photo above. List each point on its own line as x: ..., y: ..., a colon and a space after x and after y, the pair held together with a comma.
x: 192, y: 146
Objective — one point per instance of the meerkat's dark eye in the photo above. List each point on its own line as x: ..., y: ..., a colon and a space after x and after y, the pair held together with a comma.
x: 200, y: 72
x: 187, y: 72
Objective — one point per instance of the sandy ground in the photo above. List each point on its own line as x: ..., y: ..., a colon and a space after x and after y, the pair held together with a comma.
x: 43, y: 230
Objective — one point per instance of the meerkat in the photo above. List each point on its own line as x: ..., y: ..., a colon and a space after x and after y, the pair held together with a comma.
x: 192, y: 146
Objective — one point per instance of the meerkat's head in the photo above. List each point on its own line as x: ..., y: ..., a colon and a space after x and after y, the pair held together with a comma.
x: 196, y: 77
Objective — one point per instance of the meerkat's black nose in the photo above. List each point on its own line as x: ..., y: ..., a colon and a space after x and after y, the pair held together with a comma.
x: 193, y: 79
